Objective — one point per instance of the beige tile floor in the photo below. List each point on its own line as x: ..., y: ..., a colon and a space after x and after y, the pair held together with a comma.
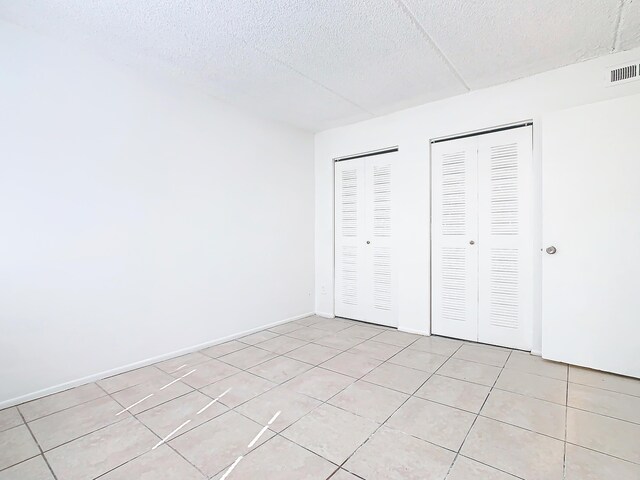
x: 355, y: 401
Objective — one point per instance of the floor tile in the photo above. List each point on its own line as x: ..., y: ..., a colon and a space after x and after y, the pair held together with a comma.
x: 425, y: 361
x: 59, y: 401
x: 604, y: 434
x: 361, y: 331
x: 467, y: 469
x: 338, y: 342
x: 392, y: 455
x: 397, y: 377
x: 292, y: 406
x: 216, y: 444
x: 470, y: 371
x: 536, y: 386
x: 129, y: 379
x: 308, y: 321
x: 605, y: 402
x: 320, y: 383
x: 439, y: 424
x: 164, y: 418
x: 455, y: 393
x: 525, y: 362
x: 308, y: 334
x: 258, y: 337
x: 160, y: 464
x: 332, y: 325
x: 9, y: 418
x: 401, y: 339
x: 331, y: 432
x: 583, y: 464
x: 16, y: 445
x: 483, y: 354
x: 293, y: 463
x: 375, y: 350
x: 101, y: 451
x: 207, y: 373
x: 606, y: 381
x: 243, y: 387
x: 349, y: 364
x: 282, y: 344
x: 531, y: 413
x: 33, y: 469
x: 247, y: 357
x: 69, y: 424
x: 368, y: 400
x: 280, y: 369
x: 343, y: 475
x: 223, y: 349
x: 285, y: 328
x: 183, y: 363
x: 514, y: 450
x: 313, y: 354
x: 437, y: 345
x: 130, y: 397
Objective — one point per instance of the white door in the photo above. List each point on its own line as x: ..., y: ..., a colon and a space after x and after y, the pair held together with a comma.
x: 591, y: 215
x: 454, y: 223
x: 482, y: 247
x: 365, y: 275
x: 505, y: 238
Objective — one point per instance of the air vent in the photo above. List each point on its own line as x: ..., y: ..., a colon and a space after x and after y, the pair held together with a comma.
x: 623, y: 74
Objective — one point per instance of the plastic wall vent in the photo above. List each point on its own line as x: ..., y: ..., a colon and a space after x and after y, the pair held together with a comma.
x: 623, y: 74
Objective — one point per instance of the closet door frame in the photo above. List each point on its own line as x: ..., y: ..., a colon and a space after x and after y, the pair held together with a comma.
x: 534, y: 192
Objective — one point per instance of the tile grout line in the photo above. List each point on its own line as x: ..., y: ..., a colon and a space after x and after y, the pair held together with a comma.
x: 39, y: 447
x: 279, y: 433
x: 312, y: 365
x: 399, y: 407
x: 477, y: 415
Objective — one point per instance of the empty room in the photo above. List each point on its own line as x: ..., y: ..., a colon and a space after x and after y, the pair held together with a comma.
x: 313, y: 240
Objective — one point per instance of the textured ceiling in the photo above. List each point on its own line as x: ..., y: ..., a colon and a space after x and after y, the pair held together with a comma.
x: 321, y: 63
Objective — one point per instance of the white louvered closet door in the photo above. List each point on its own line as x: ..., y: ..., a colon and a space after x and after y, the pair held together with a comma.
x: 365, y: 277
x: 505, y: 242
x: 454, y: 260
x: 350, y: 294
x: 381, y: 284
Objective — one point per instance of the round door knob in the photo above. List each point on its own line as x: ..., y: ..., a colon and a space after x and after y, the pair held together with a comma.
x: 551, y: 250
x: 471, y: 242
x: 368, y: 242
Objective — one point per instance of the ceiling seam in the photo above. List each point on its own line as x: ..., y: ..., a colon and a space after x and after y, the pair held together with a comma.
x: 293, y: 69
x: 407, y: 11
x: 617, y: 32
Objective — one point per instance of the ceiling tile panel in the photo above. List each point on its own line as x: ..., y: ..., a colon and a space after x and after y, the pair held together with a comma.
x: 369, y: 52
x: 192, y: 41
x: 629, y: 35
x: 494, y: 41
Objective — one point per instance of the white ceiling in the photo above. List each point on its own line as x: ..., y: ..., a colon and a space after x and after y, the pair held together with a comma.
x: 317, y: 64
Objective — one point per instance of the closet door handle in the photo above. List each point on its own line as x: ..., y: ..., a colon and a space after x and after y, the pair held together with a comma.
x: 471, y: 242
x: 368, y: 242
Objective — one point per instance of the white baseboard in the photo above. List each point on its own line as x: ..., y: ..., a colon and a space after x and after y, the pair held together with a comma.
x: 143, y: 363
x: 325, y: 315
x: 415, y: 331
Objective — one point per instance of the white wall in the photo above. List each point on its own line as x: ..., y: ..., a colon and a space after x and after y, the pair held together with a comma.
x: 411, y: 130
x: 137, y: 218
